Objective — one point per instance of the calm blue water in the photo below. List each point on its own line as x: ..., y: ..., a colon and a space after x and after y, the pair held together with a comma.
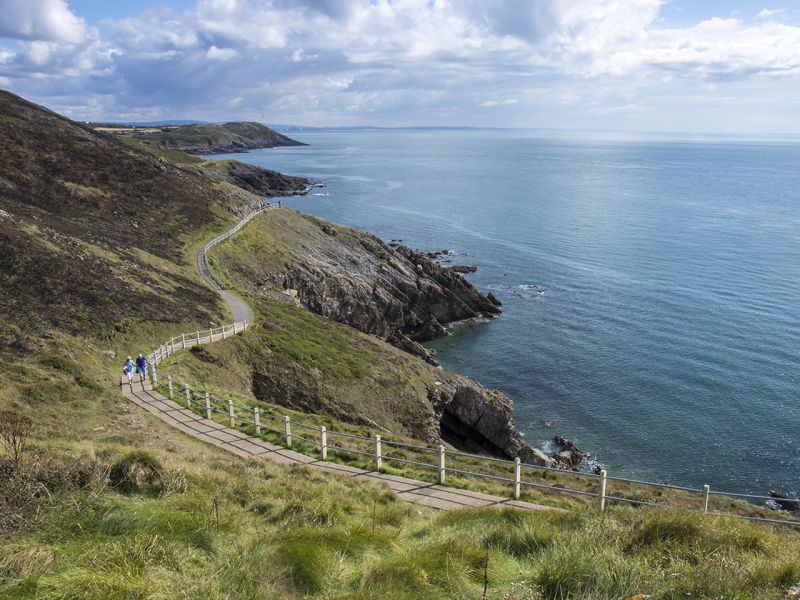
x: 663, y: 331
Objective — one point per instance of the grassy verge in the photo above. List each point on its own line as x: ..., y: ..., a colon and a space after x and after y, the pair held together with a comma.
x: 226, y: 372
x: 203, y: 525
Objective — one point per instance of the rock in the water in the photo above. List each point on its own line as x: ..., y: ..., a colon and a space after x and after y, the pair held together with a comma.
x: 431, y: 330
x: 570, y: 456
x: 463, y: 268
x: 785, y: 501
x: 493, y: 299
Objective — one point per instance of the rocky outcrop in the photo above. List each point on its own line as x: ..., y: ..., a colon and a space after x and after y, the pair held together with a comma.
x: 257, y: 180
x: 400, y: 295
x: 478, y: 420
x: 784, y: 501
x: 214, y: 139
x: 396, y: 293
x: 569, y: 455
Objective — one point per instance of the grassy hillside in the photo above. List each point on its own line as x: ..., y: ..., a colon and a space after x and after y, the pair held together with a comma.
x: 210, y: 139
x: 94, y: 234
x: 107, y: 502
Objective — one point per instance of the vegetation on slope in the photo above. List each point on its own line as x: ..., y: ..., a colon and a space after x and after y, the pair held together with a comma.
x: 94, y: 234
x: 181, y: 520
x: 210, y: 139
x: 87, y: 513
x: 250, y: 177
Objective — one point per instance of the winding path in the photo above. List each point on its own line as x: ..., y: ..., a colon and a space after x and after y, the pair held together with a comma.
x: 246, y: 446
x: 238, y: 307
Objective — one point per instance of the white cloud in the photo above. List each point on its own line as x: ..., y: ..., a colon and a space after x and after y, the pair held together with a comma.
x: 46, y: 20
x: 406, y: 61
x: 610, y: 110
x: 493, y: 103
x: 214, y: 53
x: 766, y: 13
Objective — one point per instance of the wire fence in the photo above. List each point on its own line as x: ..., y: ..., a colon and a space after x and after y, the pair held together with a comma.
x: 202, y: 258
x: 445, y: 462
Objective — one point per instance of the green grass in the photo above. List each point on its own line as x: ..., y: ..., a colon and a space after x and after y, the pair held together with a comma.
x: 250, y: 529
x: 174, y: 156
x: 256, y: 530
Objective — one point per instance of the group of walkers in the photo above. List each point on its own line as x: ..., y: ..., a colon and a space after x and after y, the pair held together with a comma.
x: 266, y: 204
x: 256, y: 206
x: 137, y: 367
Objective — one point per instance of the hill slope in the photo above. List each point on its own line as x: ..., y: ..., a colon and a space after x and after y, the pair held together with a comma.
x: 96, y: 233
x: 93, y: 233
x: 98, y: 241
x: 212, y: 139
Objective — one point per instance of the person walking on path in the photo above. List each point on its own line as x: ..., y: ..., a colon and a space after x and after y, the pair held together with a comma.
x: 128, y: 369
x: 141, y: 367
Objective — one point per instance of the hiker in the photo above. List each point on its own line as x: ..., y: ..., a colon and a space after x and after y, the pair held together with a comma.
x: 279, y: 203
x: 141, y: 366
x: 128, y: 369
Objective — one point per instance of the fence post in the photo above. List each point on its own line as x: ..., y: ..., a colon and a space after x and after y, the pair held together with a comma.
x: 169, y: 386
x: 323, y: 434
x: 287, y: 425
x: 601, y: 492
x: 257, y: 419
x: 188, y: 395
x: 378, y: 457
x: 517, y: 472
x: 234, y: 328
x: 153, y: 374
x: 441, y: 464
x: 231, y: 416
x: 244, y: 324
x: 155, y: 358
x: 155, y: 377
x: 198, y: 338
x: 208, y: 406
x: 183, y: 341
x: 706, y: 493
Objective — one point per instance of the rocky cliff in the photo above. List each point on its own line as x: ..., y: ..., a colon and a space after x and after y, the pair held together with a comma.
x: 400, y: 296
x: 352, y: 277
x: 251, y: 178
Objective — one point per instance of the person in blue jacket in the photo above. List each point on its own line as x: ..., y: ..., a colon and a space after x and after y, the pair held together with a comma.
x: 128, y: 369
x: 141, y: 366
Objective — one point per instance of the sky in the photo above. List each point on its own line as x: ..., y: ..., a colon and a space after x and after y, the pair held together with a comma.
x: 696, y: 66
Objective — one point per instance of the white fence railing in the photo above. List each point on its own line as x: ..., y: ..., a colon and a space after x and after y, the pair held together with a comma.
x: 187, y: 340
x: 202, y: 258
x: 382, y: 451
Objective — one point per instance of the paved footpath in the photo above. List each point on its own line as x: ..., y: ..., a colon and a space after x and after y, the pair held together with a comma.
x: 241, y: 444
x: 238, y: 443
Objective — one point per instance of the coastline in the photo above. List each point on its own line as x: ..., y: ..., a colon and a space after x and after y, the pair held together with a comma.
x: 605, y: 351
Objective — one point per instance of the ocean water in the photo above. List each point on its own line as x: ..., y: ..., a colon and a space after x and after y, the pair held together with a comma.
x: 651, y: 288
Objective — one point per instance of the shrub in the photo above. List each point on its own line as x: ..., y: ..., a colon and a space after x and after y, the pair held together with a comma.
x: 23, y: 490
x: 137, y: 471
x: 15, y: 430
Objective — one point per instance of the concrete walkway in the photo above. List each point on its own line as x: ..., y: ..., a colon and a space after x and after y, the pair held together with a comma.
x: 436, y: 496
x: 240, y: 311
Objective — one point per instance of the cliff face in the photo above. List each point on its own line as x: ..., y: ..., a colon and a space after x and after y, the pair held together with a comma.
x: 250, y: 177
x: 398, y: 295
x: 354, y: 278
x: 385, y: 291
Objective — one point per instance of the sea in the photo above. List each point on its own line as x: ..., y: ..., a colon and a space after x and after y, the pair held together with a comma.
x: 650, y: 285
